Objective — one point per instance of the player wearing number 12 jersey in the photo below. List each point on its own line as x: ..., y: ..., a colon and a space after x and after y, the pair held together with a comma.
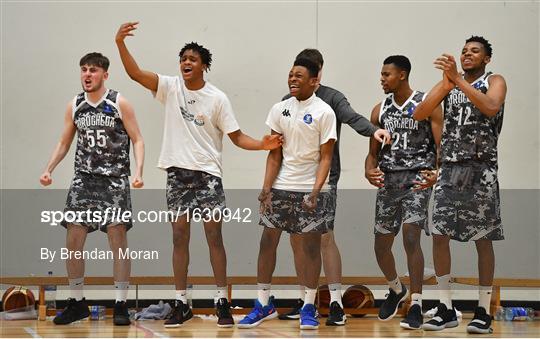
x: 105, y: 123
x: 404, y: 172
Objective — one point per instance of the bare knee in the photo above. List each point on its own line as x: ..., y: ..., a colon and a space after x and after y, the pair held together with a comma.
x: 214, y: 237
x: 270, y: 239
x: 180, y: 238
x: 383, y: 244
x: 411, y: 241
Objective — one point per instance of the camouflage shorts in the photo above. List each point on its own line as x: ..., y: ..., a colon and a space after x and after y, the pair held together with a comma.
x: 96, y: 193
x: 289, y: 215
x: 189, y: 189
x: 467, y: 202
x: 398, y: 204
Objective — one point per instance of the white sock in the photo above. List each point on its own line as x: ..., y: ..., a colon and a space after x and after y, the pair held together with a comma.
x: 310, y: 296
x: 121, y: 290
x: 416, y: 299
x: 395, y: 285
x: 76, y: 288
x: 335, y: 293
x: 181, y: 295
x: 445, y: 293
x: 302, y: 292
x: 263, y: 293
x: 222, y: 292
x: 484, y: 297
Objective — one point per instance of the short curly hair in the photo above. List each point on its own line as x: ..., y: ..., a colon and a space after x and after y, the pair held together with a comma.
x: 205, y: 54
x: 483, y: 41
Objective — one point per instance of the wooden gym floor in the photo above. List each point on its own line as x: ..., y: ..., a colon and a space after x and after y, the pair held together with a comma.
x: 206, y: 327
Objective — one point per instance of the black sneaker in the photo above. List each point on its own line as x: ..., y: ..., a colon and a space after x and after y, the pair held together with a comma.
x: 223, y: 312
x: 336, y: 317
x: 121, y: 314
x: 293, y: 314
x: 75, y: 310
x: 390, y: 306
x: 180, y: 314
x: 414, y: 318
x: 481, y: 322
x: 444, y: 318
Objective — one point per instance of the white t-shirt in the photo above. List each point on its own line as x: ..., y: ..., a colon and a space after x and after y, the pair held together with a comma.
x: 195, y: 122
x: 305, y: 126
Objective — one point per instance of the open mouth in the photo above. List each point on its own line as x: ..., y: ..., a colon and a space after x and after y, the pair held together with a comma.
x: 87, y: 82
x: 187, y: 70
x: 293, y: 87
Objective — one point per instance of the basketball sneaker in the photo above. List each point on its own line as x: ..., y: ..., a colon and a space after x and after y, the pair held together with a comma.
x: 481, y: 322
x: 121, y: 314
x: 259, y: 314
x: 444, y: 318
x: 414, y: 318
x: 390, y: 306
x: 223, y: 312
x: 308, y: 317
x: 293, y: 314
x: 180, y: 314
x: 336, y: 317
x: 75, y: 310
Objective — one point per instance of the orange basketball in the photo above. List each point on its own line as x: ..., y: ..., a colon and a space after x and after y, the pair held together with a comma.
x: 358, y: 296
x: 17, y: 297
x: 323, y: 297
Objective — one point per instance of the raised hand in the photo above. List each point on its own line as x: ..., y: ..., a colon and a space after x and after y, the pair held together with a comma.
x: 125, y: 30
x: 447, y: 64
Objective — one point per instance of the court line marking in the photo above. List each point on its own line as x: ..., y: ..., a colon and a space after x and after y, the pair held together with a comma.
x: 150, y: 331
x: 32, y: 332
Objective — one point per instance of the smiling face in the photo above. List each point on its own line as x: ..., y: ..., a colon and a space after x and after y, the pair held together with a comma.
x: 473, y: 56
x: 301, y: 84
x: 92, y: 78
x: 391, y: 78
x: 191, y: 66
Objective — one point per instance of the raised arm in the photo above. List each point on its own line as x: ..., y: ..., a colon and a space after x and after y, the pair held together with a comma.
x: 61, y: 148
x: 433, y: 99
x: 132, y: 129
x: 268, y: 142
x: 146, y: 78
x: 372, y: 172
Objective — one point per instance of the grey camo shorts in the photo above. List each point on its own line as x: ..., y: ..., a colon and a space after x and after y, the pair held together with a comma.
x: 96, y: 193
x: 467, y: 202
x: 189, y: 189
x: 398, y: 204
x: 288, y: 214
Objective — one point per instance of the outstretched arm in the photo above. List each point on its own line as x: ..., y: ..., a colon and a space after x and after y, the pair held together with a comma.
x: 132, y: 129
x: 268, y: 142
x: 146, y: 78
x: 61, y: 148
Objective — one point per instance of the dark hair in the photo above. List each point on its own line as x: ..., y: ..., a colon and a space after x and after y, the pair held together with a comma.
x: 312, y: 67
x: 313, y: 55
x: 205, y: 54
x: 484, y: 42
x: 95, y: 59
x: 401, y: 62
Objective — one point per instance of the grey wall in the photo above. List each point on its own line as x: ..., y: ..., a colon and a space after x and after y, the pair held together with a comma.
x: 254, y: 44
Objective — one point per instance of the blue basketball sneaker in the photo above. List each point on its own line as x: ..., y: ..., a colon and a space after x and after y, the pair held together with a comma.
x: 308, y: 317
x: 259, y: 314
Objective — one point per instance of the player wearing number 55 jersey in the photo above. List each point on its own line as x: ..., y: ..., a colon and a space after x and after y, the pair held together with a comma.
x: 404, y: 172
x: 466, y: 200
x: 105, y: 123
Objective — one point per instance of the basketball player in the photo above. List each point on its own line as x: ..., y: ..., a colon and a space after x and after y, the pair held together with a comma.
x: 467, y: 203
x: 330, y: 252
x: 105, y: 123
x: 197, y: 114
x: 404, y: 173
x: 295, y: 197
